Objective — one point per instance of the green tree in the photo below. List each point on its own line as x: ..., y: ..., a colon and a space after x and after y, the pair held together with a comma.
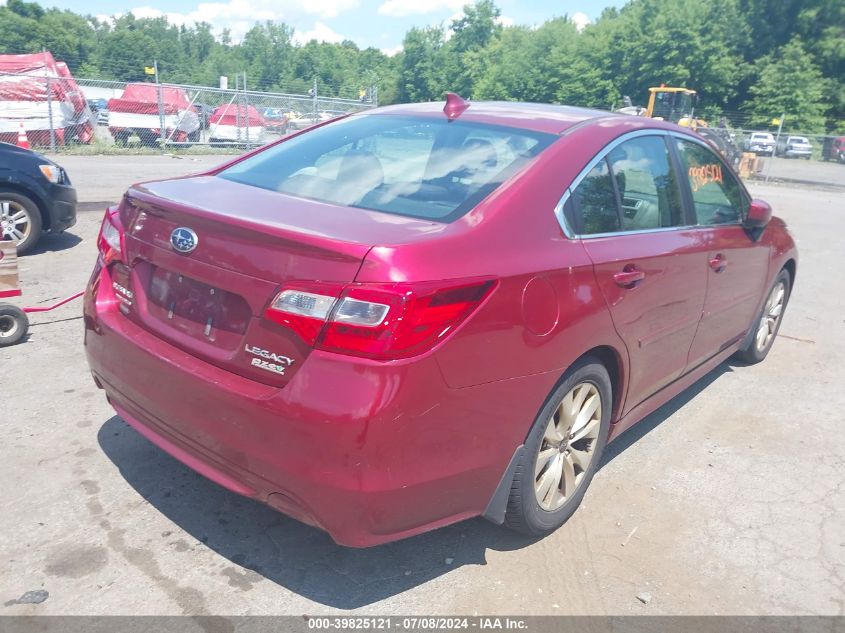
x: 789, y: 82
x: 268, y: 51
x: 473, y: 31
x: 421, y: 77
x: 739, y: 55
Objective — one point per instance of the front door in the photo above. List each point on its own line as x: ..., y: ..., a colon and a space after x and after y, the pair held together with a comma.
x: 737, y: 265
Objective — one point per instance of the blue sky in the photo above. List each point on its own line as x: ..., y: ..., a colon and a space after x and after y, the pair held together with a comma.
x: 379, y: 23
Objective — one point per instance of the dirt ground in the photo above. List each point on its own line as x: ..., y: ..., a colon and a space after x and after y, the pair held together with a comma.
x: 728, y: 500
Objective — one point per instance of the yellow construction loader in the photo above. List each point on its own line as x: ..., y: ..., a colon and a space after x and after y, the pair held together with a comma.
x: 678, y: 106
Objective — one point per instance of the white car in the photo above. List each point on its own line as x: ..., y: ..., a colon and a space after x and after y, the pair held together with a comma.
x: 760, y: 143
x: 795, y: 147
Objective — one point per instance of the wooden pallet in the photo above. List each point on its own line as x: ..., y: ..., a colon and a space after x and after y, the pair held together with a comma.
x: 8, y: 269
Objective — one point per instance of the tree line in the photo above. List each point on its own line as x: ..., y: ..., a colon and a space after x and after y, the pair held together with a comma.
x: 753, y: 59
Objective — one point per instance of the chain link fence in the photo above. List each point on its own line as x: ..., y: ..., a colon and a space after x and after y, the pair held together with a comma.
x: 62, y: 112
x: 790, y: 157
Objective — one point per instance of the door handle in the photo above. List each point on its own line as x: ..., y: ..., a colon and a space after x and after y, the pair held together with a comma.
x: 718, y: 263
x: 629, y: 277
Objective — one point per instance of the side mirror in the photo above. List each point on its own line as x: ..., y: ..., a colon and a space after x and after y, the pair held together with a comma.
x: 759, y: 214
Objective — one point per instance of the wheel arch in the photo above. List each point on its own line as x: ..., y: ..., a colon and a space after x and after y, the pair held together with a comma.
x: 33, y: 195
x: 790, y: 266
x: 612, y: 361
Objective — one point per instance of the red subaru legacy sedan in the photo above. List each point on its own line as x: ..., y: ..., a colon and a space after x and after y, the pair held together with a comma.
x: 407, y: 317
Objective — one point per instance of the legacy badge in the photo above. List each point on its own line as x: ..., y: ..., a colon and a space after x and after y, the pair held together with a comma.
x: 267, y: 360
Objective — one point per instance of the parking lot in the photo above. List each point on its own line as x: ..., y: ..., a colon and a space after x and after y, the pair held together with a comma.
x: 730, y: 499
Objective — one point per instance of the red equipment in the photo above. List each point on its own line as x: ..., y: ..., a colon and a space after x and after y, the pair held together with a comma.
x: 13, y: 320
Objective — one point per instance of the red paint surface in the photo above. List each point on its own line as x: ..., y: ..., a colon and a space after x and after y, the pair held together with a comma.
x: 372, y: 451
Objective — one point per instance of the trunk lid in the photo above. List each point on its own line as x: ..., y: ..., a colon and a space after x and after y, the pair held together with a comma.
x: 210, y: 301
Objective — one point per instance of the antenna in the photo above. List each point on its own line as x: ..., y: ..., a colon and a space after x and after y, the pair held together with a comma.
x: 455, y: 105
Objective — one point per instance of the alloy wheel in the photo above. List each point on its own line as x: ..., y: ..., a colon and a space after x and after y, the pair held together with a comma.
x: 14, y: 221
x: 771, y: 315
x: 568, y: 446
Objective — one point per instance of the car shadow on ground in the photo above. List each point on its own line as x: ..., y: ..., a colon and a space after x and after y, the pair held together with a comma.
x: 50, y: 243
x: 655, y: 419
x: 302, y: 559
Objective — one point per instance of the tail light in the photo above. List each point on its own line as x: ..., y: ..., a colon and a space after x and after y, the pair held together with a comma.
x: 110, y: 241
x: 380, y: 321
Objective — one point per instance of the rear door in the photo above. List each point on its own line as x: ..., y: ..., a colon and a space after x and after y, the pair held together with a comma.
x: 648, y: 263
x: 737, y: 265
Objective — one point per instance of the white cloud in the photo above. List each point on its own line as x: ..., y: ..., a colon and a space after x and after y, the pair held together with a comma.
x: 580, y: 20
x: 240, y: 15
x: 504, y: 20
x: 390, y: 52
x: 400, y: 8
x: 321, y: 32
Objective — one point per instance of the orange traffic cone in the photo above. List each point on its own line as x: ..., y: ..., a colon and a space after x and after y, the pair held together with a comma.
x: 23, y: 141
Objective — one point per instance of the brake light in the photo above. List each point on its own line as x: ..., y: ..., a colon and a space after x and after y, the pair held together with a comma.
x: 379, y: 321
x: 304, y: 309
x: 110, y: 240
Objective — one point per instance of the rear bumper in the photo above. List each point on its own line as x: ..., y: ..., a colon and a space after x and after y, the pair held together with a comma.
x: 370, y: 452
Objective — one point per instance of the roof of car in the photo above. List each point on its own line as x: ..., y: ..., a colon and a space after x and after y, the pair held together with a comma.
x: 539, y: 117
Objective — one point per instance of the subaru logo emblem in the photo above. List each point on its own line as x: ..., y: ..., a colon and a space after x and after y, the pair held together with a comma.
x: 183, y: 240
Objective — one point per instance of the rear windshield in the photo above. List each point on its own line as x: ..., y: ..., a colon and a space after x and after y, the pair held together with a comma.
x: 419, y: 167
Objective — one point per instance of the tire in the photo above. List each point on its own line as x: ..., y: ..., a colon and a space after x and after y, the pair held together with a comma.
x: 526, y: 513
x: 19, y: 215
x: 759, y: 344
x: 13, y: 324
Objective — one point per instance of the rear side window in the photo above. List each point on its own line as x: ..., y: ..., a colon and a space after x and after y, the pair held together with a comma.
x: 717, y: 196
x: 633, y: 188
x: 421, y: 167
x: 594, y: 202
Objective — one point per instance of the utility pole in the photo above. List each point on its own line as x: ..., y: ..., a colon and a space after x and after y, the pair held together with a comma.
x: 246, y: 112
x: 775, y: 150
x: 314, y: 97
x: 237, y: 108
x: 161, y: 125
x: 50, y: 106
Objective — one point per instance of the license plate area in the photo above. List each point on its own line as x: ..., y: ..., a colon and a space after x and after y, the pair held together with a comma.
x: 194, y: 307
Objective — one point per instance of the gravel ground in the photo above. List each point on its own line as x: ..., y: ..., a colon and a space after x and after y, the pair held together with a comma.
x: 729, y: 499
x: 804, y: 172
